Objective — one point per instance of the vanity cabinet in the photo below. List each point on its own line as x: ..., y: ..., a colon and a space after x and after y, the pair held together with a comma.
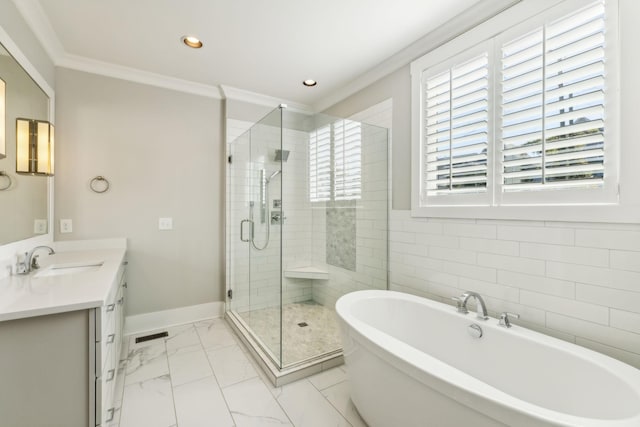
x: 60, y: 369
x: 108, y: 330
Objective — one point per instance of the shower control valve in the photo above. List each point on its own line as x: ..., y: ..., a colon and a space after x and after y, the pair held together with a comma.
x: 276, y: 218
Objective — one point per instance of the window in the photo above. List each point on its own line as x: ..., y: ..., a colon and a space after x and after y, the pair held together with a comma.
x: 456, y: 121
x: 553, y: 105
x: 320, y: 164
x: 347, y: 163
x: 335, y: 165
x: 521, y: 118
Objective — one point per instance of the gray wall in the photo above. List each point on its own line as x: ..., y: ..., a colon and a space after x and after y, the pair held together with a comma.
x: 162, y: 152
x: 12, y: 22
x: 396, y: 86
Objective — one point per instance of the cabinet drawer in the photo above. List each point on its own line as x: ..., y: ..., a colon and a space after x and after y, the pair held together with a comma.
x: 108, y: 318
x: 107, y: 345
x: 119, y: 323
x: 105, y: 410
x: 105, y: 389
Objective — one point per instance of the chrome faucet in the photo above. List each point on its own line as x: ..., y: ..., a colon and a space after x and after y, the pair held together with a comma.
x: 464, y: 299
x: 30, y: 261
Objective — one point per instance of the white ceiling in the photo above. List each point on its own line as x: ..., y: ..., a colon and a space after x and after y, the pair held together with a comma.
x: 262, y: 46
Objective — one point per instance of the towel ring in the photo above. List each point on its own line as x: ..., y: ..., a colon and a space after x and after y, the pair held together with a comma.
x: 97, y: 182
x: 7, y: 177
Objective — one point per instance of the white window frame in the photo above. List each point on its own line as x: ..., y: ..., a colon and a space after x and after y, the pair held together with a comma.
x: 611, y: 205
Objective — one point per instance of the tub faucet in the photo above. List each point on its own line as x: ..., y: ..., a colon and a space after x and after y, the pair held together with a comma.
x: 30, y: 261
x: 481, y: 307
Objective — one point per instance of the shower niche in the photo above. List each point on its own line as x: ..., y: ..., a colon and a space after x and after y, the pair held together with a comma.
x: 307, y: 206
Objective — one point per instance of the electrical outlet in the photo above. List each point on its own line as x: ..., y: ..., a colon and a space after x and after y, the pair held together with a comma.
x: 165, y: 224
x: 66, y: 226
x: 40, y: 226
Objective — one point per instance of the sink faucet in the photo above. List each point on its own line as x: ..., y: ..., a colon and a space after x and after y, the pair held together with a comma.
x: 30, y: 261
x: 481, y: 307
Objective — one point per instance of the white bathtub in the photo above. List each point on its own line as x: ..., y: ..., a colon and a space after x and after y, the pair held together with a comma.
x: 411, y: 362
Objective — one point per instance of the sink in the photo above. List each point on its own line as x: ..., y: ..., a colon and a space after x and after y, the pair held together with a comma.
x: 67, y: 269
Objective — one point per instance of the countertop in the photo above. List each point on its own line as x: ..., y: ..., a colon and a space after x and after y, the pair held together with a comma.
x: 28, y: 295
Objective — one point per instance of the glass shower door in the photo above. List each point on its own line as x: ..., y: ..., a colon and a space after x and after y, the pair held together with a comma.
x: 238, y: 197
x: 254, y: 260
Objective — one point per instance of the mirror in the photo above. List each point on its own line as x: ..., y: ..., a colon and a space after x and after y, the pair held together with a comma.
x: 25, y: 203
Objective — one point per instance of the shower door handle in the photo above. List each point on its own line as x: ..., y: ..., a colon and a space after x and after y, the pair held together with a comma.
x: 242, y: 230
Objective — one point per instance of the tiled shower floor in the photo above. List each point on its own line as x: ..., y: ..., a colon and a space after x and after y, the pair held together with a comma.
x: 299, y: 342
x: 200, y: 376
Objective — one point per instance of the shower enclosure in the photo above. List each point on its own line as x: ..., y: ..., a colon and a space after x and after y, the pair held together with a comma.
x: 307, y: 206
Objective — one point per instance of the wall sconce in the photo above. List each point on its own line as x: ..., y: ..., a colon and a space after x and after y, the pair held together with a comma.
x: 34, y: 147
x: 3, y: 128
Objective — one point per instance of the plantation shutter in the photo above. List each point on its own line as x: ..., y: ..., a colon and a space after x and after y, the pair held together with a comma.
x: 320, y: 164
x: 347, y: 160
x: 553, y: 94
x: 456, y: 114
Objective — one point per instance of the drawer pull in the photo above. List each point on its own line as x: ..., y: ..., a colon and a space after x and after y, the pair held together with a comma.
x: 120, y: 301
x: 111, y: 373
x: 125, y: 263
x: 111, y: 338
x: 111, y: 413
x: 111, y: 307
x: 124, y: 285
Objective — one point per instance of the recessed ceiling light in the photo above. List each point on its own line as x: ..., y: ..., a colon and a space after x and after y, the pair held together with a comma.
x: 309, y: 82
x: 192, y: 41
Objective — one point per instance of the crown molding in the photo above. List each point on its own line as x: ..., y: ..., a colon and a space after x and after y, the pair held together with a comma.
x: 229, y: 92
x: 12, y: 48
x: 107, y: 69
x: 39, y: 23
x: 472, y: 17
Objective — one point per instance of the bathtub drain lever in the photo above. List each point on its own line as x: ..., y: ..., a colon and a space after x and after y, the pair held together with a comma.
x: 475, y: 330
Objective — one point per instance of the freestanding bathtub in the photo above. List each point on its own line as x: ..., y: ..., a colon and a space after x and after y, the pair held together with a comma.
x: 411, y: 362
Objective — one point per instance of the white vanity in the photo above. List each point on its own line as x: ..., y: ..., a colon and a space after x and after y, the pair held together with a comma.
x: 60, y: 325
x: 61, y: 335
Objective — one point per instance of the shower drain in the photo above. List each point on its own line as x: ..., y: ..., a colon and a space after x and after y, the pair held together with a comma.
x: 303, y: 324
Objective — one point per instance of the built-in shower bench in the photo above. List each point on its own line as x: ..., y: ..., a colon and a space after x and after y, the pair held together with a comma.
x: 308, y: 272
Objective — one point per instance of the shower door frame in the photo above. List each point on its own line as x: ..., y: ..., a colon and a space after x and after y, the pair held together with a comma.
x: 230, y: 310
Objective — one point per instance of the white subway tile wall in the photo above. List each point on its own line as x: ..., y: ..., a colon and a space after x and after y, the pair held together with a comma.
x: 578, y: 282
x: 371, y: 216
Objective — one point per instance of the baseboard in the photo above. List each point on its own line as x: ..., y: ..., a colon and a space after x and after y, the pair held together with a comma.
x: 176, y: 316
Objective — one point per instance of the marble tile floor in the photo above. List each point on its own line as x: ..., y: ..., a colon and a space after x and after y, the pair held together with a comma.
x: 320, y: 335
x: 201, y: 376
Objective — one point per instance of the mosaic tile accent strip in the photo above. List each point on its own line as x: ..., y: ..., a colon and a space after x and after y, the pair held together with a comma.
x: 341, y: 235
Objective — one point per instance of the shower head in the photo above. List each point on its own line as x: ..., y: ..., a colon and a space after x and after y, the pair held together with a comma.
x: 273, y: 175
x: 281, y: 155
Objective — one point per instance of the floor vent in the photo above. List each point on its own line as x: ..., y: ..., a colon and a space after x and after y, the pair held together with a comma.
x: 303, y: 324
x: 152, y: 337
